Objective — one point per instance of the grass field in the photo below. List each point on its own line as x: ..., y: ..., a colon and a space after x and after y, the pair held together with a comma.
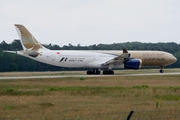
x: 99, y: 98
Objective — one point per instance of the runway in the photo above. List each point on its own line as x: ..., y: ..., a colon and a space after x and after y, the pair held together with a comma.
x: 63, y: 76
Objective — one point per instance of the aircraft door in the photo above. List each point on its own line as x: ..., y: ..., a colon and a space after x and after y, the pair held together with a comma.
x: 53, y: 56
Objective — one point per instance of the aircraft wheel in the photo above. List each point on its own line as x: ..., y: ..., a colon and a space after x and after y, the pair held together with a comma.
x: 104, y: 72
x: 88, y: 72
x: 98, y: 72
x: 93, y: 72
x: 108, y: 72
x: 112, y: 72
x: 161, y: 71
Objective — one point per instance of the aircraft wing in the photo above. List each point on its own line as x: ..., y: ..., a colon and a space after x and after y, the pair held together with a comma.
x: 119, y: 59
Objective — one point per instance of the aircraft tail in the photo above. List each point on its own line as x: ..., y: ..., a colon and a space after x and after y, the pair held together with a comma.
x: 31, y: 46
x: 28, y: 41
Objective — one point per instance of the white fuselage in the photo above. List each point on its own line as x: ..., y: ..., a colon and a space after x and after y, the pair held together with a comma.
x: 72, y: 58
x: 95, y: 59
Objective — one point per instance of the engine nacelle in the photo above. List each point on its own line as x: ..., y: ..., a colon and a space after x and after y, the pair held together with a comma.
x: 133, y: 64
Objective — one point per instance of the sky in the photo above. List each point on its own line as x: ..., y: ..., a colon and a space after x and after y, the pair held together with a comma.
x: 89, y: 22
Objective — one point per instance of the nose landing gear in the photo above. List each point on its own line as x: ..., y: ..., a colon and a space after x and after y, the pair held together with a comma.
x: 161, y: 70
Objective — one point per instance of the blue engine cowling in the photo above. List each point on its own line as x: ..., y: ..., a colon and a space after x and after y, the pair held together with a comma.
x: 133, y: 64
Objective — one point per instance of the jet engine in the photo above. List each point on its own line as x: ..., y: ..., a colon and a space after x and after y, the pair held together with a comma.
x: 133, y: 64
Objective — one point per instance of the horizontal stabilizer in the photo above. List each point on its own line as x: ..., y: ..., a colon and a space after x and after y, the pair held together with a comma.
x: 29, y: 52
x: 15, y: 52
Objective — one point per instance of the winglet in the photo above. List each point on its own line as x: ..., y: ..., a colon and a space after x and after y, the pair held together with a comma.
x: 124, y: 50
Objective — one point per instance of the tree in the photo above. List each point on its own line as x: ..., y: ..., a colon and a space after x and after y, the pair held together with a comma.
x: 13, y: 62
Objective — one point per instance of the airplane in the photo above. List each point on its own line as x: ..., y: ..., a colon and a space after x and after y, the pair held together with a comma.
x: 93, y: 59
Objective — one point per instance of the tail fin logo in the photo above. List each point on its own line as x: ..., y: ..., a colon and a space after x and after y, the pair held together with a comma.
x: 27, y: 39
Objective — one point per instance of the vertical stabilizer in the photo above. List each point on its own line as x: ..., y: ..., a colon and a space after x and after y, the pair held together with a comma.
x: 27, y: 39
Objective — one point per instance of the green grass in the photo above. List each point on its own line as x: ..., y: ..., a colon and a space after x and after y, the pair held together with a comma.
x: 101, y: 98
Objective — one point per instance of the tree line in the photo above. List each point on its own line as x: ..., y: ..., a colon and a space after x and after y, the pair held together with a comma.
x: 13, y: 62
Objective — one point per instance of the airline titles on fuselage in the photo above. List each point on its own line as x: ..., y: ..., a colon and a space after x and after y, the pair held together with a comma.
x: 66, y: 59
x: 153, y: 57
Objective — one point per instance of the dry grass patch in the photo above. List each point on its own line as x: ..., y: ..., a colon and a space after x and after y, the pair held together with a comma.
x: 101, y: 98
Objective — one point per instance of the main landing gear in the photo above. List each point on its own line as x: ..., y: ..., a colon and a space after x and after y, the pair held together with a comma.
x: 161, y: 70
x: 108, y: 72
x: 93, y: 72
x: 97, y: 72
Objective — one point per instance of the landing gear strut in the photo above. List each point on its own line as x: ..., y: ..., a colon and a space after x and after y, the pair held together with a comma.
x: 108, y: 72
x: 161, y: 70
x: 93, y: 72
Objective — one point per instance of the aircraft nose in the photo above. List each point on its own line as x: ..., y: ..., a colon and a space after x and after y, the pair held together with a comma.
x: 173, y: 59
